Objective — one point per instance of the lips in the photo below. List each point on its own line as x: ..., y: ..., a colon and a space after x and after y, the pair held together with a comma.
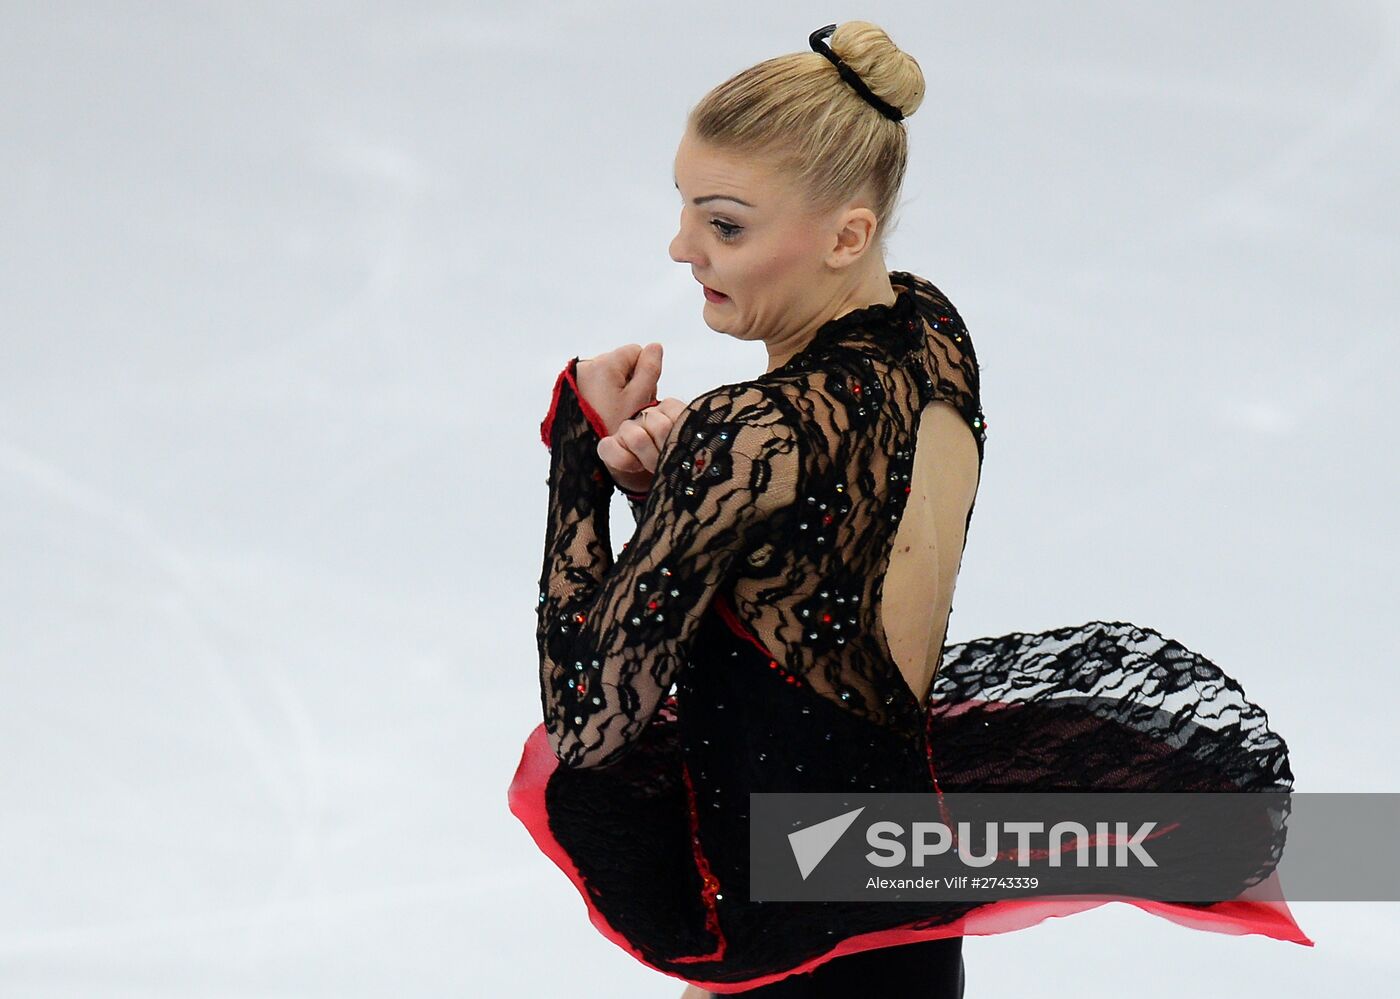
x: 714, y: 296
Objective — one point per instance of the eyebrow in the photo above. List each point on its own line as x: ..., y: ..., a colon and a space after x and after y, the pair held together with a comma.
x: 714, y: 197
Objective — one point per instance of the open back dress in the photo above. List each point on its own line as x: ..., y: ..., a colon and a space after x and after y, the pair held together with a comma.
x: 734, y: 646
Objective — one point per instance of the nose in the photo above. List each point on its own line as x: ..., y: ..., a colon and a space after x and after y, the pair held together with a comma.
x: 677, y: 248
x: 680, y: 249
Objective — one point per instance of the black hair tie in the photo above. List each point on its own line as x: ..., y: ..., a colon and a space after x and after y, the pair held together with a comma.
x: 850, y: 75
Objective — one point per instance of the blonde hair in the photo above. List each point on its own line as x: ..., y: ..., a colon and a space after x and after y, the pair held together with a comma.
x: 797, y: 112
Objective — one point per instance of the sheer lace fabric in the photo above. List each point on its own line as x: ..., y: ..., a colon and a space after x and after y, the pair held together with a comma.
x: 790, y: 486
x: 734, y: 646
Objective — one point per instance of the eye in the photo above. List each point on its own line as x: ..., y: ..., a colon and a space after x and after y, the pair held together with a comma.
x: 727, y: 230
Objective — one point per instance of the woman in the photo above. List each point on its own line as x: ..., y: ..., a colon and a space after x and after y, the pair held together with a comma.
x: 777, y: 621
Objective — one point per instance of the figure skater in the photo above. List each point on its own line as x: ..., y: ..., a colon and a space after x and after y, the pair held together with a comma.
x: 777, y: 620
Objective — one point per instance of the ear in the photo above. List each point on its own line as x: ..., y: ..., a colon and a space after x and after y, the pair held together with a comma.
x: 855, y: 235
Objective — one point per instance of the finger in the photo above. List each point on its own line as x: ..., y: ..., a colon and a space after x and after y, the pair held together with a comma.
x: 643, y: 411
x: 618, y: 363
x: 639, y: 442
x: 672, y: 407
x: 658, y: 425
x: 646, y: 375
x: 661, y: 420
x: 626, y: 358
x: 618, y: 457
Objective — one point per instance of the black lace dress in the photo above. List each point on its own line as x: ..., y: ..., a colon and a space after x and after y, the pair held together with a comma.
x: 733, y: 646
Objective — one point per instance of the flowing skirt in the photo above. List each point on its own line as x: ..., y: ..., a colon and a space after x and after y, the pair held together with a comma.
x: 1103, y: 706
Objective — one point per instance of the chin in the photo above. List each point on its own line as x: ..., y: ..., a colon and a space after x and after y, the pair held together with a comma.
x: 714, y: 322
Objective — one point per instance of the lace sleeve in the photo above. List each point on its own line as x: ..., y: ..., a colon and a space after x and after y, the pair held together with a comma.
x: 613, y: 635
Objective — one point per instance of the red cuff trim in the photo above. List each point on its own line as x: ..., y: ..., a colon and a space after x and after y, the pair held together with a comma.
x: 600, y: 426
x: 547, y: 424
x: 596, y: 421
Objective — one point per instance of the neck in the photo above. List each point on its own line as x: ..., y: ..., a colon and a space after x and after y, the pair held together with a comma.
x: 872, y: 288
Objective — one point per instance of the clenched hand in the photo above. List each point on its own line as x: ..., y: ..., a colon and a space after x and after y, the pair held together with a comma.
x: 632, y: 453
x: 618, y: 385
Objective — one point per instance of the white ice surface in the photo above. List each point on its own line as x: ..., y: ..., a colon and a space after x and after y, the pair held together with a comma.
x: 283, y: 289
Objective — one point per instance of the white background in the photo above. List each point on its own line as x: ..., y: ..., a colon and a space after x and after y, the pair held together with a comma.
x: 284, y: 289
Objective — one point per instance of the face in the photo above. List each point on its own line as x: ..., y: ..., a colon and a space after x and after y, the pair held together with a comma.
x: 769, y: 266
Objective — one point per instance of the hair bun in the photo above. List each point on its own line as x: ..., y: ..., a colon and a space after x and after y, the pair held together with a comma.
x: 884, y: 67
